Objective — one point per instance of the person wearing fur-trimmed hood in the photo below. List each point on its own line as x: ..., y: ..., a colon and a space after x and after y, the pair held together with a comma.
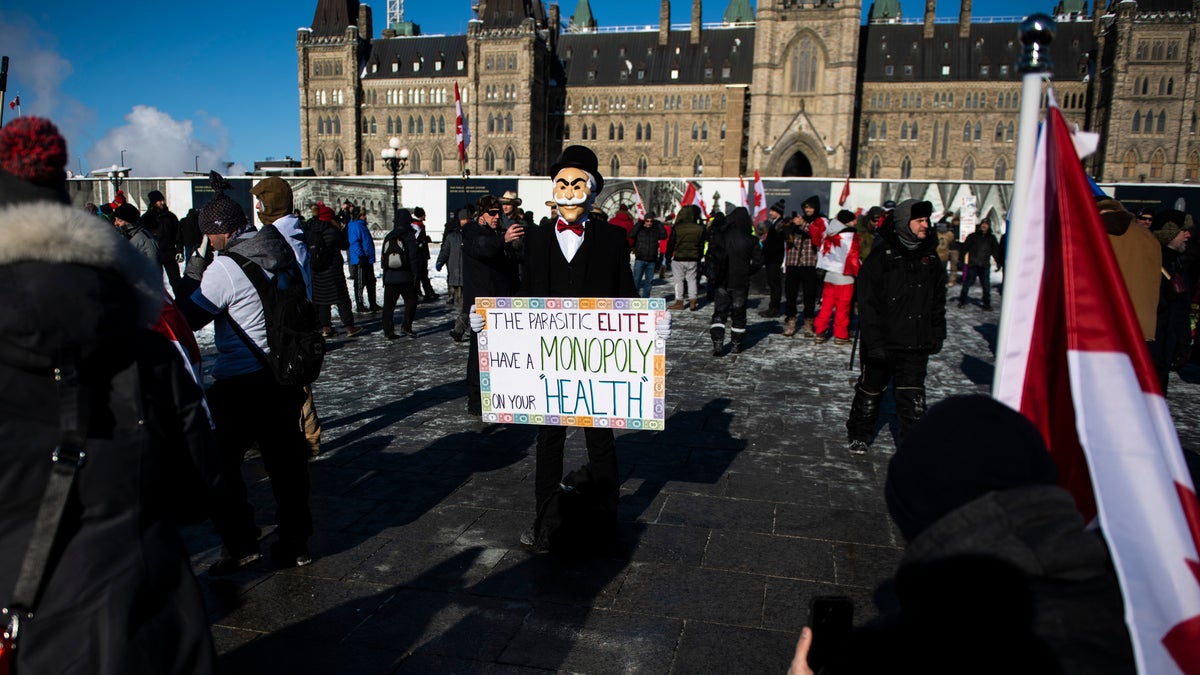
x: 118, y: 595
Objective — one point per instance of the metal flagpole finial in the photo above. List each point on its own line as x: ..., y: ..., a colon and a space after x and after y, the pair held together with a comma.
x: 1037, y: 32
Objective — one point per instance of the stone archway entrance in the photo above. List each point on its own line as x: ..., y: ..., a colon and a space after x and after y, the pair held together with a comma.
x: 797, y: 166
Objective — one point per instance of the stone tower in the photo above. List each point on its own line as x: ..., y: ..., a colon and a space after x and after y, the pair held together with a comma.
x: 802, y: 96
x: 329, y: 53
x: 510, y: 52
x: 1145, y: 107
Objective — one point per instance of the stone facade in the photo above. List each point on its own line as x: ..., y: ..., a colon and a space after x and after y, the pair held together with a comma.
x: 1146, y: 106
x: 804, y: 90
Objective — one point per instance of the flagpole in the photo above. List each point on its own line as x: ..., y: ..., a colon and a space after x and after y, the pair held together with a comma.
x: 1036, y: 32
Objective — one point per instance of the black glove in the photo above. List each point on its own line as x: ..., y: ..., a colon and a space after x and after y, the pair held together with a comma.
x: 937, y: 347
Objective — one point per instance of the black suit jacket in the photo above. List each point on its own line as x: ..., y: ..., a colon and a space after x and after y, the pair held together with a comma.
x: 604, y: 256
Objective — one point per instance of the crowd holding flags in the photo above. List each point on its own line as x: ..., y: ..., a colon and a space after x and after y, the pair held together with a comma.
x: 1073, y: 360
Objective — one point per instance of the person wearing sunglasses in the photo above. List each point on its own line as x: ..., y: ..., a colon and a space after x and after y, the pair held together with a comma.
x: 490, y: 269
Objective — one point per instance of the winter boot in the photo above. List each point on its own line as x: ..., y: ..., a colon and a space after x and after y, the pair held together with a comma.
x: 718, y: 347
x: 790, y: 327
x: 693, y: 305
x: 678, y: 304
x: 910, y: 407
x: 864, y: 411
x: 808, y: 328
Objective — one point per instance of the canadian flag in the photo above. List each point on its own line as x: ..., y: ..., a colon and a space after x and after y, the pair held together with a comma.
x: 462, y: 135
x: 836, y: 251
x: 760, y: 199
x: 845, y: 193
x: 638, y: 206
x: 172, y: 325
x: 742, y: 187
x: 1074, y: 362
x: 692, y: 196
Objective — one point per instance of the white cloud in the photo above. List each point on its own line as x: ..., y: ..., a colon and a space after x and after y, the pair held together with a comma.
x: 157, y: 144
x: 37, y: 72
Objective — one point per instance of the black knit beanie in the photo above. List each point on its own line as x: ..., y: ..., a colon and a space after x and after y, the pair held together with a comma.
x: 221, y: 215
x: 963, y: 448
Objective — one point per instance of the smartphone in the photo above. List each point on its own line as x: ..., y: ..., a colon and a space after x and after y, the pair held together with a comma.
x: 831, y: 618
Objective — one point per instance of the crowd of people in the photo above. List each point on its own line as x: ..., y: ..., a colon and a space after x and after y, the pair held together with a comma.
x: 116, y: 357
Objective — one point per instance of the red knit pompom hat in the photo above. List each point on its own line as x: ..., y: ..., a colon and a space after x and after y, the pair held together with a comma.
x: 32, y: 149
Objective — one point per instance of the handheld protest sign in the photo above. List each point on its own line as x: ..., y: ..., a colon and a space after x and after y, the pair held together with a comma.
x: 579, y: 362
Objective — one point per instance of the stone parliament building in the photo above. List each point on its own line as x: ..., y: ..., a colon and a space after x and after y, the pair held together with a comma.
x: 802, y: 88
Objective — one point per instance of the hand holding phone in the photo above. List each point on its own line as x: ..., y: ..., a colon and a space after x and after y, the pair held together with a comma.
x: 831, y: 618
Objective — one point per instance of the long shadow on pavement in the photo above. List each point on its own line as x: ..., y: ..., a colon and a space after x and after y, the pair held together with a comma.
x: 421, y: 604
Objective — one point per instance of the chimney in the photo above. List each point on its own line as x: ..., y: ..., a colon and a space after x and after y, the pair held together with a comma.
x: 695, y: 38
x: 366, y: 30
x: 930, y: 12
x: 964, y: 20
x: 664, y: 23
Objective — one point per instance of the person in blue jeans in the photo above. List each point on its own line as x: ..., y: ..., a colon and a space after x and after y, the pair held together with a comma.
x: 646, y: 235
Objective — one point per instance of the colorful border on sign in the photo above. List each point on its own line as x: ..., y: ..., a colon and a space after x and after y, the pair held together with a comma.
x: 658, y: 403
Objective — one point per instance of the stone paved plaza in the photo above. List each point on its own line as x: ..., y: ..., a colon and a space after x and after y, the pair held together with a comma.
x: 744, y: 508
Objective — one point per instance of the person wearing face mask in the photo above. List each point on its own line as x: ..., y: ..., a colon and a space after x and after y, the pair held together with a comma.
x: 490, y: 260
x: 902, y: 320
x: 577, y: 258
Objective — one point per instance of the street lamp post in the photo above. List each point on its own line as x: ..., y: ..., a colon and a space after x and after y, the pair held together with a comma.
x: 395, y: 157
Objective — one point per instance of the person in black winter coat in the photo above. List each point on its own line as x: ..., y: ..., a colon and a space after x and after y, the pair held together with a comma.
x: 902, y: 320
x: 1173, y: 330
x: 490, y: 269
x: 980, y: 250
x: 646, y: 235
x: 734, y: 255
x: 999, y: 573
x: 400, y: 260
x: 118, y: 595
x: 326, y: 241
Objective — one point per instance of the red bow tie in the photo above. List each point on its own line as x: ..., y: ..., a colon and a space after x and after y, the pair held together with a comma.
x: 577, y: 228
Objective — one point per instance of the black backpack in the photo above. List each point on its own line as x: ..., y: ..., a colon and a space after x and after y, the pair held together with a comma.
x: 297, y: 349
x: 574, y: 519
x: 395, y: 255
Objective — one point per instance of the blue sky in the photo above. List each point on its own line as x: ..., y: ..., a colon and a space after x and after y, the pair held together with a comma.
x: 181, y: 84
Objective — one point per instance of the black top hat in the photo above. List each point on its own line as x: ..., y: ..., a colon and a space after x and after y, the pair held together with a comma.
x: 579, y: 157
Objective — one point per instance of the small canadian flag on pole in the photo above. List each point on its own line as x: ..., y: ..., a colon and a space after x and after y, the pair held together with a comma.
x: 691, y: 196
x: 760, y: 199
x: 637, y: 203
x: 845, y: 193
x: 462, y: 135
x: 15, y: 103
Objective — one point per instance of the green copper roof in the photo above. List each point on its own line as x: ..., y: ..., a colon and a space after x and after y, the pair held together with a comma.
x: 582, y: 18
x: 885, y: 9
x: 739, y: 11
x: 1070, y: 7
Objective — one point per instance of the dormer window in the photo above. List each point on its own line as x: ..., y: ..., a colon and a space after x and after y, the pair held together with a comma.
x: 395, y: 66
x: 374, y: 67
x: 417, y: 66
x: 437, y: 65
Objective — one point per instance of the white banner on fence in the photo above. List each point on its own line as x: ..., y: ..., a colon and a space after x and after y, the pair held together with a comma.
x: 579, y: 362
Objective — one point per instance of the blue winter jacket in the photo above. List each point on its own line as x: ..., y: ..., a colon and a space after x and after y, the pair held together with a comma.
x: 362, y: 246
